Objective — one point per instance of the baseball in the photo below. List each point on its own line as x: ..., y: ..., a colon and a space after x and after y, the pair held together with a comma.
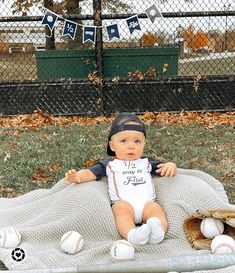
x: 223, y: 244
x: 71, y: 242
x: 211, y: 227
x: 9, y: 237
x: 122, y: 250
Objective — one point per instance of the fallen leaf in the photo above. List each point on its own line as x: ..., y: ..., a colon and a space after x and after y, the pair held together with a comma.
x: 89, y: 163
x: 151, y: 72
x: 7, y: 156
x: 55, y: 167
x: 116, y: 79
x: 94, y: 78
x: 41, y: 176
x: 40, y: 119
x: 86, y: 61
x: 165, y: 68
x: 8, y: 192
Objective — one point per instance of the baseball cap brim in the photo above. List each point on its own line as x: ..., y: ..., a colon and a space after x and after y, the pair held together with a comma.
x: 119, y: 125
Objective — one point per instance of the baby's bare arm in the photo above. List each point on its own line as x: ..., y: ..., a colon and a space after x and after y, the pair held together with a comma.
x: 73, y: 176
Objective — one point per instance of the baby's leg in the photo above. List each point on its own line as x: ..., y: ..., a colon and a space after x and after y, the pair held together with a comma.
x: 153, y: 209
x: 155, y: 218
x: 124, y: 216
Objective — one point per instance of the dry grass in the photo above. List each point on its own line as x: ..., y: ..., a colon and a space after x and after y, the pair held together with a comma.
x: 18, y: 66
x: 22, y: 66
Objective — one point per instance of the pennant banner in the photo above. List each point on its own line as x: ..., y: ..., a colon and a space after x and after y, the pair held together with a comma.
x: 50, y: 19
x: 153, y: 12
x: 113, y: 32
x: 89, y: 34
x: 70, y: 29
x: 133, y: 23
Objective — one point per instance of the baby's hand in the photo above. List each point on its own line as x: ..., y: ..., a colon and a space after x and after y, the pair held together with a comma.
x: 72, y: 176
x: 167, y: 169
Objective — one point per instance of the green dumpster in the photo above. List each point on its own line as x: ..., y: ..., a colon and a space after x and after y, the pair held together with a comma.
x: 57, y: 64
x: 77, y: 64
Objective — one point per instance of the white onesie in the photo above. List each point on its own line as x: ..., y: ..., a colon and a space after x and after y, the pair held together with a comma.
x: 131, y: 181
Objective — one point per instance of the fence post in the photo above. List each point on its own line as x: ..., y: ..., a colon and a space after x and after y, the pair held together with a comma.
x: 99, y: 53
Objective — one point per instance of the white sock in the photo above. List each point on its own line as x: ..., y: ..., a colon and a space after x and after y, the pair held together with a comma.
x: 139, y: 235
x: 157, y: 232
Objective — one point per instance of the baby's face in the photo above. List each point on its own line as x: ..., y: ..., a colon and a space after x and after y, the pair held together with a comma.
x: 128, y: 145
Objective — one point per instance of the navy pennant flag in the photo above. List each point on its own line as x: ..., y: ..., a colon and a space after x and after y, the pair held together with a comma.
x: 49, y: 19
x: 89, y: 34
x: 113, y: 31
x: 133, y: 23
x: 153, y: 12
x: 70, y: 29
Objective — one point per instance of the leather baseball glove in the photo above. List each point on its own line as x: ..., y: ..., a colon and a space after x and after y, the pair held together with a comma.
x: 192, y: 226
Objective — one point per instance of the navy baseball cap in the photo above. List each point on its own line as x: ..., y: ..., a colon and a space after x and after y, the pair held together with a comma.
x: 119, y: 125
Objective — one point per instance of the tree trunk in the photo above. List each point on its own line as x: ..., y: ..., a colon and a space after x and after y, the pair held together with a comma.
x: 50, y: 35
x: 72, y: 7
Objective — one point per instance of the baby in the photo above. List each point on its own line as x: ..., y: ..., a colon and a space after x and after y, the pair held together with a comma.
x: 139, y: 219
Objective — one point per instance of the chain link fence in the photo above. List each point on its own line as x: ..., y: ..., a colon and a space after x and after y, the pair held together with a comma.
x: 74, y: 97
x: 203, y: 32
x: 102, y: 56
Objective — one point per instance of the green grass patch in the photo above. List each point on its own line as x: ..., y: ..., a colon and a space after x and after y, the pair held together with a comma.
x: 224, y: 66
x: 27, y: 156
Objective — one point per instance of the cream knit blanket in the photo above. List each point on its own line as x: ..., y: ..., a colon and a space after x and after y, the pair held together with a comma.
x: 43, y: 216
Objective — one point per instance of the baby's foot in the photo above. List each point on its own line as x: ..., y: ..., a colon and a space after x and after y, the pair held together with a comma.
x: 139, y: 235
x: 157, y: 232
